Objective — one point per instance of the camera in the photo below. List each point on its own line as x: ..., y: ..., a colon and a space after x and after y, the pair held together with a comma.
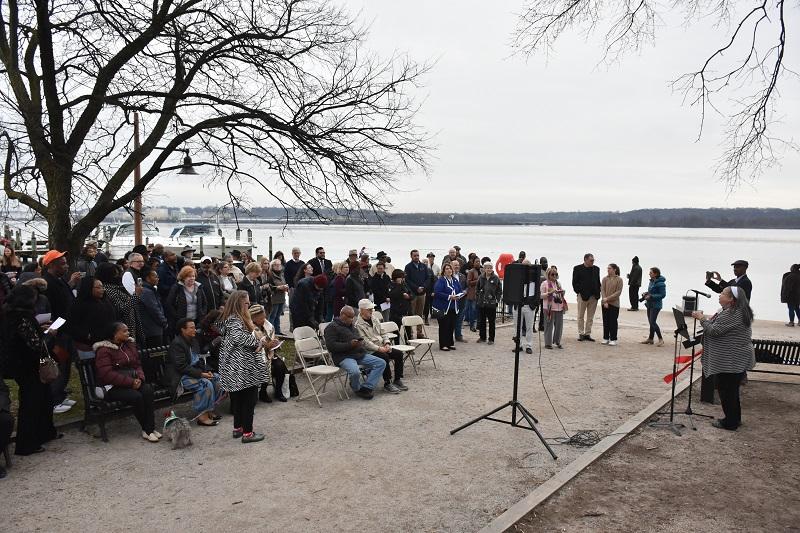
x: 643, y: 297
x: 709, y: 274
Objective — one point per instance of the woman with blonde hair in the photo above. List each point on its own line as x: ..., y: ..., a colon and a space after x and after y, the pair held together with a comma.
x: 339, y: 286
x: 251, y: 283
x: 185, y: 299
x: 242, y: 364
x: 553, y: 306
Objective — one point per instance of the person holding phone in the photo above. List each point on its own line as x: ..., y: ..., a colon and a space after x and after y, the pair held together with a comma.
x: 346, y: 347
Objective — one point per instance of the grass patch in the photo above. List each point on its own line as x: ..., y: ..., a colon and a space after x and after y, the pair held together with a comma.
x: 75, y: 393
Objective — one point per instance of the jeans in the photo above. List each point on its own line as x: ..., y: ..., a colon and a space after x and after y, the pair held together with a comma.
x: 141, y: 400
x: 459, y: 323
x: 728, y: 388
x: 243, y: 404
x: 528, y: 320
x: 373, y: 365
x: 794, y: 310
x: 652, y: 316
x: 471, y: 313
x: 485, y: 314
x: 275, y: 317
x: 610, y: 322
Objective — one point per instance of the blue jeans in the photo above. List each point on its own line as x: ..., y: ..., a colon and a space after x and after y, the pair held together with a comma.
x: 471, y: 312
x: 373, y: 365
x: 793, y: 310
x: 459, y: 322
x: 652, y: 316
x: 275, y: 317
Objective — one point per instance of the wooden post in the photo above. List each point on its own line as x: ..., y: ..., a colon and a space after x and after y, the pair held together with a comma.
x: 238, y: 234
x: 137, y: 174
x: 222, y: 249
x: 18, y: 240
x: 33, y: 246
x: 201, y: 246
x: 249, y: 235
x: 270, y: 246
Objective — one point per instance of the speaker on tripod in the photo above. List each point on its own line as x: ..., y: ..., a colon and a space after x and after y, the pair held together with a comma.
x: 521, y: 282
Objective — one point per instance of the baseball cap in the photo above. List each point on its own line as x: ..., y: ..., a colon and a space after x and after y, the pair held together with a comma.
x: 365, y: 303
x: 321, y: 281
x: 352, y: 252
x: 740, y: 262
x: 51, y: 256
x: 430, y: 254
x: 205, y: 258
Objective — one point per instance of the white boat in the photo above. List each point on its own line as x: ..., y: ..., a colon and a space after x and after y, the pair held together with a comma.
x: 206, y: 240
x: 118, y: 239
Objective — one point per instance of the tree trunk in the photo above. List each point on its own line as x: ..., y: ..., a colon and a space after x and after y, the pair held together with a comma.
x: 60, y: 233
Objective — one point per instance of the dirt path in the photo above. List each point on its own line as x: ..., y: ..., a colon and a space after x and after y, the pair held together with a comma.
x: 387, y: 464
x: 707, y: 480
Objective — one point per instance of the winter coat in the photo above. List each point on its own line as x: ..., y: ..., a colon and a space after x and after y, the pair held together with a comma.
x: 167, y: 278
x: 179, y: 361
x: 354, y: 289
x: 176, y: 307
x: 442, y: 291
x: 303, y: 303
x: 151, y: 312
x: 275, y: 280
x: 380, y: 286
x: 23, y: 344
x: 727, y: 343
x: 635, y: 276
x: 253, y: 289
x: 90, y: 320
x: 610, y: 290
x: 59, y: 294
x: 416, y: 276
x: 111, y: 359
x: 337, y: 339
x: 212, y: 288
x: 657, y: 289
x: 586, y: 281
x: 338, y: 293
x: 473, y: 276
x: 790, y: 288
x: 290, y: 269
x: 371, y: 332
x: 490, y: 291
x: 242, y: 364
x: 400, y: 306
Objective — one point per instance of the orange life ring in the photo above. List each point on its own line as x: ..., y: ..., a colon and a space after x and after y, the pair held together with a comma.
x: 502, y: 261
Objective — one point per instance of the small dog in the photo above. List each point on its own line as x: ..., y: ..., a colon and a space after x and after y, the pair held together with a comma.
x: 177, y: 430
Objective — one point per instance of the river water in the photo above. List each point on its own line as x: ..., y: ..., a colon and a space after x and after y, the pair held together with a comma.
x: 682, y: 254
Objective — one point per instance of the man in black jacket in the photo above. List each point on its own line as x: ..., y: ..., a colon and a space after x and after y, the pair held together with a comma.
x: 209, y: 284
x: 347, y: 350
x: 320, y: 265
x: 715, y: 282
x: 586, y: 284
x: 634, y: 282
x: 417, y: 274
x: 304, y: 305
x: 187, y: 369
x: 59, y: 294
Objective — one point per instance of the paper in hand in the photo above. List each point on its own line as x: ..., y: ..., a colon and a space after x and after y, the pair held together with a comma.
x: 385, y: 306
x: 55, y: 325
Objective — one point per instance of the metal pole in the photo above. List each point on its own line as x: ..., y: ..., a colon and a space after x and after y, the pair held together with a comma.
x: 238, y: 234
x: 222, y: 251
x: 201, y: 246
x: 33, y: 247
x: 270, y: 246
x: 137, y: 174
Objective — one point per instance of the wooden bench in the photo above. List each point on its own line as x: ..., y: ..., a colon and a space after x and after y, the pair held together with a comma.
x: 777, y: 353
x: 97, y: 410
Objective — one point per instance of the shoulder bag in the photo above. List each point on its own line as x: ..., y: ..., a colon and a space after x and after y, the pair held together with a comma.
x: 48, y: 368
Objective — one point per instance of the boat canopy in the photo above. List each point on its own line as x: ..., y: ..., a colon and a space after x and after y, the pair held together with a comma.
x: 193, y: 230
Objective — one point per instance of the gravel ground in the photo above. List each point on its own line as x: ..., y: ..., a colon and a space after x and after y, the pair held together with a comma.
x: 386, y: 464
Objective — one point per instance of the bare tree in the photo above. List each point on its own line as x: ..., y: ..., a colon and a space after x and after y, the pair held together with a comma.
x: 277, y: 93
x: 740, y: 80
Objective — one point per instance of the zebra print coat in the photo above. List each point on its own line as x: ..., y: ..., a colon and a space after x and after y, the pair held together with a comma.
x: 241, y: 364
x: 727, y: 344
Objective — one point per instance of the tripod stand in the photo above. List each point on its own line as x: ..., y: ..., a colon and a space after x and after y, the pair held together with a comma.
x: 514, y: 403
x: 672, y: 425
x: 694, y: 342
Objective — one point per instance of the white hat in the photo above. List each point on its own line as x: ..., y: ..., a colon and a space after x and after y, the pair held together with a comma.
x: 202, y: 259
x: 365, y: 303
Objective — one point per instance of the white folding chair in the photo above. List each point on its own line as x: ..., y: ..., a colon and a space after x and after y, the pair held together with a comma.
x: 318, y: 375
x: 307, y: 332
x: 425, y: 344
x: 389, y: 329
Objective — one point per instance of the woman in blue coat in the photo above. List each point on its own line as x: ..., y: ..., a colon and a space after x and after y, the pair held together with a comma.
x: 653, y: 298
x: 447, y: 292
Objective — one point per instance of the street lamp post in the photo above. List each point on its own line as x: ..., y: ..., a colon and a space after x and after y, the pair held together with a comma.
x: 137, y: 174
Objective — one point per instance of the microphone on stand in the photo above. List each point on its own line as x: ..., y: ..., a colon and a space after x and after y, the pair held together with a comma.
x: 701, y: 293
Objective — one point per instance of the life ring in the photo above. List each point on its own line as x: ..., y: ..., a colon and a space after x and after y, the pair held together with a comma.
x: 502, y: 261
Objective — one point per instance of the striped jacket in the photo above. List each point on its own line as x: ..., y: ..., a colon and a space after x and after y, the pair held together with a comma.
x: 727, y: 344
x: 241, y: 363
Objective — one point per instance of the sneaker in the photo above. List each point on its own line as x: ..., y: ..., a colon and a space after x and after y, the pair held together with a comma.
x: 790, y: 324
x: 612, y: 343
x: 588, y: 338
x: 547, y: 346
x: 400, y: 385
x: 391, y: 388
x: 252, y: 437
x: 149, y: 437
x: 528, y: 350
x: 605, y: 341
x: 580, y: 338
x: 61, y: 408
x: 490, y: 343
x: 647, y: 341
x: 69, y: 402
x: 365, y: 393
x: 157, y: 434
x: 237, y: 433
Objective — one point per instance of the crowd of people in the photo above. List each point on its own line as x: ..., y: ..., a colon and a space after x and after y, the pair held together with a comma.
x: 229, y: 310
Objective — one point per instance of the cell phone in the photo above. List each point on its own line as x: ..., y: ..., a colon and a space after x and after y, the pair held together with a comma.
x: 83, y: 274
x: 139, y: 281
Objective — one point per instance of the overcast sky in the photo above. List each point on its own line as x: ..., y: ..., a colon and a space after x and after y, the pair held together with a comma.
x: 553, y: 133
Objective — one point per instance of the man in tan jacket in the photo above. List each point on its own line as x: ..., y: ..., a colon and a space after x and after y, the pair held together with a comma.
x: 368, y: 325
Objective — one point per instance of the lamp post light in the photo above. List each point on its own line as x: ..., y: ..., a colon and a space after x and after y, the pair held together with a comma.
x: 137, y: 174
x: 188, y: 167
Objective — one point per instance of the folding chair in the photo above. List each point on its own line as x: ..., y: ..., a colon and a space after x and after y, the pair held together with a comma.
x: 425, y: 345
x: 307, y: 332
x: 389, y: 329
x: 318, y: 375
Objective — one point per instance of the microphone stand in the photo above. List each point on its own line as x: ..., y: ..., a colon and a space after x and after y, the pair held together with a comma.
x: 672, y: 425
x: 691, y: 368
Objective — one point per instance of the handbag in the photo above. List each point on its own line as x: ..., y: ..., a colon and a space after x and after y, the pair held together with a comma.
x: 436, y: 313
x: 48, y: 368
